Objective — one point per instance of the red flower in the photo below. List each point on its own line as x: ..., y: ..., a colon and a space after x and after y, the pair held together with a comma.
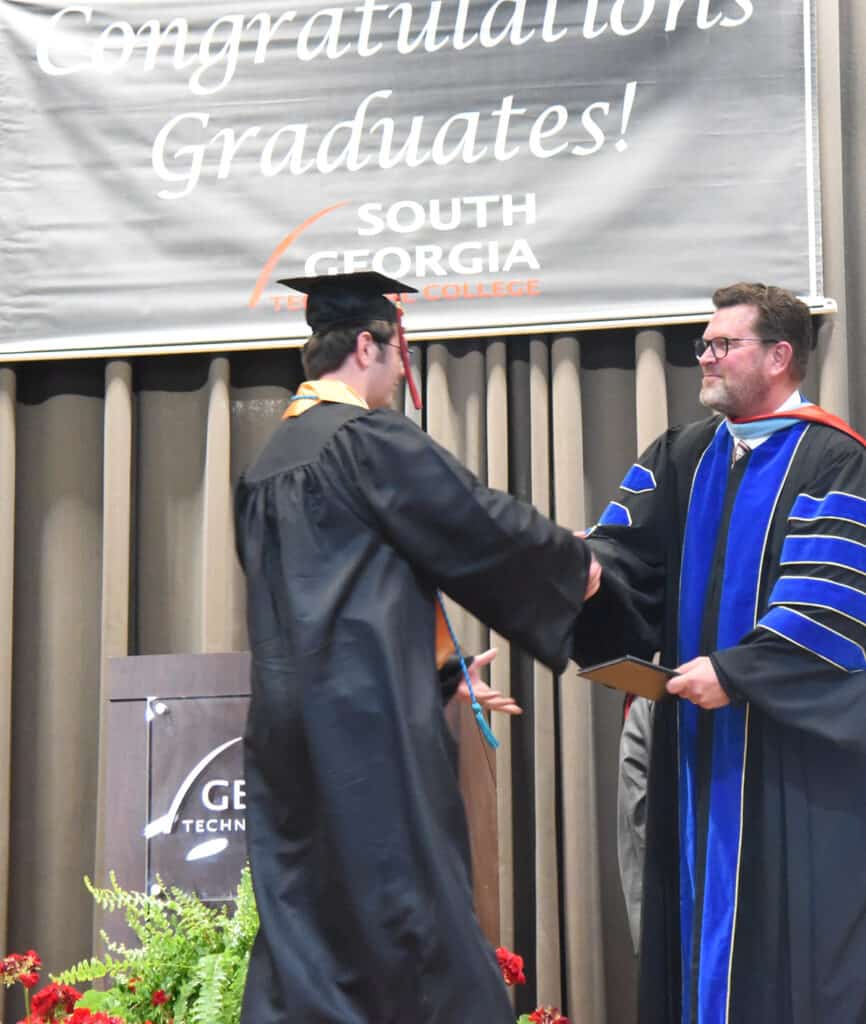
x: 81, y: 1015
x: 547, y: 1015
x: 20, y: 967
x: 511, y: 966
x: 158, y: 998
x: 47, y: 1000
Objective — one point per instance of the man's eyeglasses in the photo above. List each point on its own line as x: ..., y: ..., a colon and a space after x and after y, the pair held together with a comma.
x: 721, y: 346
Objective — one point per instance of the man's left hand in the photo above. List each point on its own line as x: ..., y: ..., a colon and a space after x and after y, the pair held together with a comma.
x: 488, y: 698
x: 697, y: 681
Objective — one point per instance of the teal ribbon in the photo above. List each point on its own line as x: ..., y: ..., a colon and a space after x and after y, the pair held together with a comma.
x: 477, y: 710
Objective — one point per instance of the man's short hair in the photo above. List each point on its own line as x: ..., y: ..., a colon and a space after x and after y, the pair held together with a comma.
x: 780, y: 316
x: 323, y: 353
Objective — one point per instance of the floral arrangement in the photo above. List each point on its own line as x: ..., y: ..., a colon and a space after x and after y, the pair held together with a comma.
x: 189, y: 966
x: 511, y: 965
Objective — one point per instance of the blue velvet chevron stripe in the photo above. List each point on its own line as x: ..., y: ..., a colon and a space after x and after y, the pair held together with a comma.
x: 810, y: 590
x: 825, y: 642
x: 835, y: 505
x: 615, y: 515
x: 746, y: 541
x: 638, y: 480
x: 803, y: 549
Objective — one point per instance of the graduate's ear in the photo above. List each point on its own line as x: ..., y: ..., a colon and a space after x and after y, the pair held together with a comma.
x: 365, y: 349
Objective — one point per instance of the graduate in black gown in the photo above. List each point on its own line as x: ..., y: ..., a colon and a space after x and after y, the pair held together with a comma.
x: 747, y: 569
x: 347, y: 524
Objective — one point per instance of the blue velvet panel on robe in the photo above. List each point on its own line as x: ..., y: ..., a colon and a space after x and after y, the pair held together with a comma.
x: 713, y: 883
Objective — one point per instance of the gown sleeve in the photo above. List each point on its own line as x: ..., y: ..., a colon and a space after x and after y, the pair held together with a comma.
x: 804, y: 663
x: 451, y: 675
x: 632, y: 541
x: 496, y: 556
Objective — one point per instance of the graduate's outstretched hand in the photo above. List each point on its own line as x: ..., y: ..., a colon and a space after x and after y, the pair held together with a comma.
x: 593, y: 577
x: 489, y: 699
x: 697, y: 681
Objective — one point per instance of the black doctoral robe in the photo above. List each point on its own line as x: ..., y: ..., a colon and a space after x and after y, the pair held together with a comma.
x: 755, y: 880
x: 346, y: 525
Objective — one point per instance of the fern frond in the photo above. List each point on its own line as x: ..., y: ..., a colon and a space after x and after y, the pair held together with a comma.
x: 196, y: 953
x: 211, y: 972
x: 85, y: 970
x: 234, y: 993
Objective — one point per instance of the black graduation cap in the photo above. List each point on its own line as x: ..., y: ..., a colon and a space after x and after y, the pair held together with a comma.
x: 336, y: 300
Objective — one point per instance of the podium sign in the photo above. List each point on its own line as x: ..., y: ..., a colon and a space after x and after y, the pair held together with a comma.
x: 175, y: 793
x: 197, y: 799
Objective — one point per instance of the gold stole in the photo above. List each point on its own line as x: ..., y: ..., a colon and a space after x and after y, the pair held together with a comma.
x: 311, y: 392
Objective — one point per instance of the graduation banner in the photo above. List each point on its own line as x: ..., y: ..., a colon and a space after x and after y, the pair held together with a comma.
x: 526, y: 164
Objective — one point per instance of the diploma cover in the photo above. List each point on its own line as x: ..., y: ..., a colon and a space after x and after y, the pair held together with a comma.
x: 632, y: 675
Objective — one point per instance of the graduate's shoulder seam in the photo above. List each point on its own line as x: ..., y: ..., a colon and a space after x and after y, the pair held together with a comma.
x: 283, y: 433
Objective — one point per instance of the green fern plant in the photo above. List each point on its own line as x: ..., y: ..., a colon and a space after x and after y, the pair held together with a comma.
x: 194, y: 958
x: 193, y: 955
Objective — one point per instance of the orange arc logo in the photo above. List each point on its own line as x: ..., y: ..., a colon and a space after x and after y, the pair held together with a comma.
x: 274, y: 258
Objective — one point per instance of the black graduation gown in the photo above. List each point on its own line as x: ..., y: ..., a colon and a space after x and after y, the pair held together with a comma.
x: 357, y: 839
x: 755, y: 878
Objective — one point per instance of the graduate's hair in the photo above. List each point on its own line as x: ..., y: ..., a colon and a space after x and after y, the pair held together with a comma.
x: 325, y: 351
x: 781, y: 316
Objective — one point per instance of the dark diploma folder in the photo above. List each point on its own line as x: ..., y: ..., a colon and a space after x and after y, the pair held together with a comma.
x: 632, y: 675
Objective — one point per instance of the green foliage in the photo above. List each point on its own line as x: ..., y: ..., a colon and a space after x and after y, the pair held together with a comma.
x: 197, y: 955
